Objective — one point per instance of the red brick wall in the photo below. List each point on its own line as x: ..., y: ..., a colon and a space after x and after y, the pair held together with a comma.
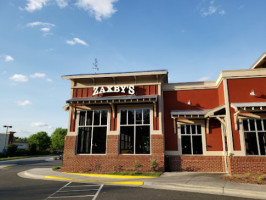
x: 197, y: 163
x: 245, y: 164
x: 112, y: 161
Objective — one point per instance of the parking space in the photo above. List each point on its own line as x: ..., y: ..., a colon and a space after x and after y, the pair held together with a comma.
x: 80, y: 191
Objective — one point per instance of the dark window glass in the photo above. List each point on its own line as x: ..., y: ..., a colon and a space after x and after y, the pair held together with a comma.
x: 127, y: 139
x: 193, y: 127
x: 82, y: 118
x: 199, y: 129
x: 186, y: 144
x: 262, y: 141
x: 252, y: 124
x: 142, y: 139
x: 146, y: 116
x: 96, y: 117
x: 188, y: 129
x: 103, y: 117
x: 123, y: 119
x: 251, y: 143
x: 259, y: 127
x: 264, y: 124
x: 245, y: 125
x: 89, y: 118
x: 197, y: 144
x: 84, y: 140
x: 99, y: 140
x: 130, y: 117
x: 139, y: 116
x: 182, y: 129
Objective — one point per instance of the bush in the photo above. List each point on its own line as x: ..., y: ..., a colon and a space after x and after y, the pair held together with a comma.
x: 11, y: 150
x: 32, y: 148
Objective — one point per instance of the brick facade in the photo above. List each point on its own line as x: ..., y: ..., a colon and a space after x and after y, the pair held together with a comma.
x: 245, y: 164
x: 112, y: 160
x: 196, y: 163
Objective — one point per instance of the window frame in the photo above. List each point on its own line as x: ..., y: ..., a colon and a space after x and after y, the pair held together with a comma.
x: 190, y: 135
x: 135, y: 126
x: 92, y: 126
x: 256, y: 131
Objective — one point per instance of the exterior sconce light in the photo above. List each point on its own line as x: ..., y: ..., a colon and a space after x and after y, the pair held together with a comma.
x: 189, y: 102
x: 252, y: 93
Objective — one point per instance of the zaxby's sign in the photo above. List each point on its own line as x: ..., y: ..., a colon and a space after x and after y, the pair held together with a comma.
x: 114, y: 89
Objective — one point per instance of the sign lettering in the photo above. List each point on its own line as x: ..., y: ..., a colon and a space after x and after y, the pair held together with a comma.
x: 114, y: 89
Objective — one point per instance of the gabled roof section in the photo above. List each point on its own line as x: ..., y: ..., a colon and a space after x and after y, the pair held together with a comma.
x: 118, y: 74
x: 260, y: 63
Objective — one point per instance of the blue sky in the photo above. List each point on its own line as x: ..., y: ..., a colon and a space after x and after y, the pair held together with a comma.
x: 40, y: 40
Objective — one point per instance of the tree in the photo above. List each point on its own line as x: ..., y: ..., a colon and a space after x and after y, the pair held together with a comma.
x: 58, y: 139
x: 41, y: 140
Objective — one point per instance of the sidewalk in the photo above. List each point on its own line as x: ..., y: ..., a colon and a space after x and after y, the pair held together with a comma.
x: 210, y: 183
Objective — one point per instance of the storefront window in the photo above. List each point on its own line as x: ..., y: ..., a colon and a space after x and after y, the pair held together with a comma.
x: 255, y: 136
x: 191, y: 139
x: 135, y: 131
x: 92, y: 132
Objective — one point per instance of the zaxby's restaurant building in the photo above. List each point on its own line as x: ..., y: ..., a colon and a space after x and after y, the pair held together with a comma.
x: 124, y: 121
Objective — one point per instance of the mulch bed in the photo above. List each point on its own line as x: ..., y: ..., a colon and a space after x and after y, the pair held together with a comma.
x: 251, y: 178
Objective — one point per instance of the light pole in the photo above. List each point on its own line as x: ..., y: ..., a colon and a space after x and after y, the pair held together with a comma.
x: 6, y: 126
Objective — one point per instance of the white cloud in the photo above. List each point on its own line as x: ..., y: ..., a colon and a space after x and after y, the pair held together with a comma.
x: 205, y: 78
x: 45, y: 29
x: 49, y: 80
x: 62, y: 3
x: 37, y: 23
x: 76, y: 41
x: 222, y: 12
x: 99, y: 8
x: 211, y: 9
x: 33, y: 5
x: 39, y: 124
x: 24, y: 103
x: 19, y: 78
x: 8, y: 58
x: 38, y: 75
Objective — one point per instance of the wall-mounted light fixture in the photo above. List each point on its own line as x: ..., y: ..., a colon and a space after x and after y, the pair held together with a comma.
x: 189, y: 102
x: 252, y: 93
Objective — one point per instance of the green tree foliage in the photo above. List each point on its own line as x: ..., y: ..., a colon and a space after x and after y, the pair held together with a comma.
x: 58, y: 139
x: 41, y: 140
x: 11, y: 150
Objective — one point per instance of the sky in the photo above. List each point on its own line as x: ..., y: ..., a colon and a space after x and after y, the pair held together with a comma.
x: 41, y: 40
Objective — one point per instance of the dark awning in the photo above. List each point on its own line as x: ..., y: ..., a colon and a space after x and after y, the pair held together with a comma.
x: 114, y: 99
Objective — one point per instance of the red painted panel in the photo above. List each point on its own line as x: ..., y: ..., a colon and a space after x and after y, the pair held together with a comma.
x: 152, y: 90
x: 113, y: 122
x: 84, y: 92
x: 79, y: 92
x: 239, y: 90
x: 72, y: 123
x: 214, y: 138
x: 221, y: 94
x: 177, y: 100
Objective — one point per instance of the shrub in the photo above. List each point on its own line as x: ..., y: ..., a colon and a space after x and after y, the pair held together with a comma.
x: 137, y: 166
x: 153, y: 165
x: 11, y: 150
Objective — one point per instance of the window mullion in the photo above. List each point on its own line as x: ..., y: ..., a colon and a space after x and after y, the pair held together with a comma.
x: 134, y: 131
x: 92, y: 130
x: 257, y: 136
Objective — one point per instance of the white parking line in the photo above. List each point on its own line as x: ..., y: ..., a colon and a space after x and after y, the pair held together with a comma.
x: 87, y: 192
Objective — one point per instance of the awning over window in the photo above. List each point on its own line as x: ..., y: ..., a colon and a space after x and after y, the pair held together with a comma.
x: 255, y: 106
x: 114, y: 99
x: 188, y: 113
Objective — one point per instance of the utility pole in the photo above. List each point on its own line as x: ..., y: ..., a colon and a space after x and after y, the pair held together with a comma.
x: 95, y: 66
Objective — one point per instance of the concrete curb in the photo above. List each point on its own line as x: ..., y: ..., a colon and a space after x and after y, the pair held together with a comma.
x: 207, y: 190
x: 5, y: 166
x: 26, y: 174
x: 222, y: 190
